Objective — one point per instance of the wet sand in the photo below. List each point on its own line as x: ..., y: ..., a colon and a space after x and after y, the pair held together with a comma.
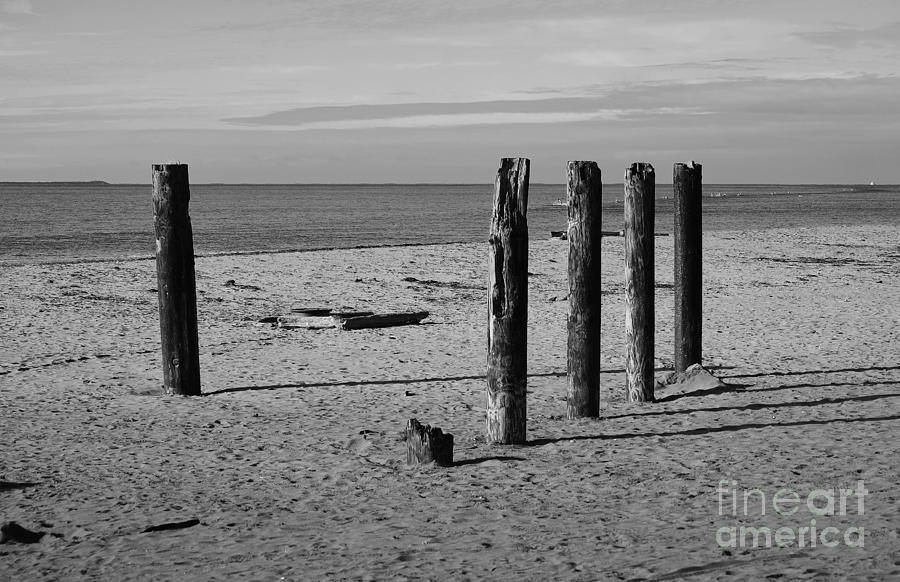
x: 293, y: 460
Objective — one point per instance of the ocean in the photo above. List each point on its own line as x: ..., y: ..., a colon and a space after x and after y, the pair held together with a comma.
x: 54, y: 222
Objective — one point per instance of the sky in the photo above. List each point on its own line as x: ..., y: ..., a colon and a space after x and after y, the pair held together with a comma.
x: 339, y: 91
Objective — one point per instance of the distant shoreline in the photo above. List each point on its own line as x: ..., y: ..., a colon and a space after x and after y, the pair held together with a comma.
x: 705, y: 185
x: 62, y: 183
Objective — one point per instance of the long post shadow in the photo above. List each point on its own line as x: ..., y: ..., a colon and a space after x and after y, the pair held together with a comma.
x: 364, y: 383
x: 557, y: 374
x: 707, y: 430
x: 806, y: 372
x: 761, y: 405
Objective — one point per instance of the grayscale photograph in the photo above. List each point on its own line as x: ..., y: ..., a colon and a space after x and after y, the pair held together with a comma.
x: 401, y: 290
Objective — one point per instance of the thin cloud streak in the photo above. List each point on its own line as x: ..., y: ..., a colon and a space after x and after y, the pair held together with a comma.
x: 470, y: 119
x: 17, y: 7
x: 847, y: 37
x: 838, y: 96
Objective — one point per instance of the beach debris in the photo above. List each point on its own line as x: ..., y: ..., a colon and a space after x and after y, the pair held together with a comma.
x: 306, y: 322
x: 383, y: 320
x: 11, y: 485
x: 236, y: 285
x: 325, y: 318
x: 448, y: 284
x: 172, y: 525
x: 425, y: 444
x: 11, y: 532
x: 348, y: 314
x: 314, y: 311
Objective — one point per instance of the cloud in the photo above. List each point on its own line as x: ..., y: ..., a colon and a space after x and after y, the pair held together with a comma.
x: 20, y: 53
x: 728, y: 102
x: 272, y: 69
x: 598, y: 58
x: 17, y: 7
x: 847, y: 37
x: 90, y: 33
x: 416, y: 115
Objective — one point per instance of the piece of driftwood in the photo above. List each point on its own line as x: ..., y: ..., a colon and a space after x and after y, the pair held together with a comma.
x: 236, y: 285
x: 172, y: 525
x: 306, y: 322
x: 177, y: 287
x: 348, y: 314
x: 12, y: 485
x: 383, y: 320
x: 301, y: 310
x: 425, y: 444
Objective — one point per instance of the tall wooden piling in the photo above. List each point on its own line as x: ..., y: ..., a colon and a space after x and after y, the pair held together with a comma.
x: 687, y: 182
x: 583, y: 351
x: 640, y: 194
x: 176, y: 279
x: 508, y: 305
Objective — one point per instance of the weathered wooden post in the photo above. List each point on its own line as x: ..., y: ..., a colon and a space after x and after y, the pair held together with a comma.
x: 687, y: 182
x: 508, y: 305
x: 583, y: 351
x: 176, y: 279
x: 640, y: 194
x: 425, y: 444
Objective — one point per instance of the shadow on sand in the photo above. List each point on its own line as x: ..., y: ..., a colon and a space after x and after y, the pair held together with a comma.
x: 709, y: 430
x: 558, y: 374
x: 805, y: 372
x: 762, y: 405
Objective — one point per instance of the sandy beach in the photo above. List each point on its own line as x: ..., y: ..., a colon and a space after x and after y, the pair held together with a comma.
x: 293, y: 460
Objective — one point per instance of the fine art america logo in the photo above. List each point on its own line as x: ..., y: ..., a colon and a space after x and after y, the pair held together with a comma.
x: 824, y: 504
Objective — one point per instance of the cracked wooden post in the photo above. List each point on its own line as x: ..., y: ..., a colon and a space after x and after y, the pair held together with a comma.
x: 583, y: 325
x: 176, y: 282
x: 508, y: 305
x: 425, y: 444
x: 687, y: 183
x: 640, y: 194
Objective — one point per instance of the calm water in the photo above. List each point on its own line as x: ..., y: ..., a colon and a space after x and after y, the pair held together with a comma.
x: 61, y: 222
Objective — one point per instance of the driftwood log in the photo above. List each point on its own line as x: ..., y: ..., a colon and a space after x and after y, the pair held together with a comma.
x: 383, y: 320
x: 309, y: 311
x: 425, y: 444
x: 640, y: 200
x: 306, y: 322
x: 507, y: 357
x: 347, y: 320
x: 176, y: 280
